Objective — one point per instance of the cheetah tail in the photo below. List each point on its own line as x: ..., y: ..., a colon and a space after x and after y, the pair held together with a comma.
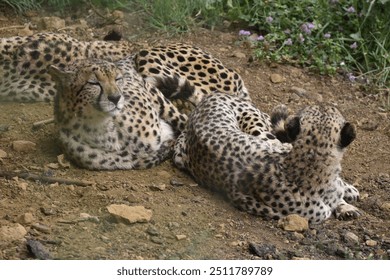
x: 279, y: 117
x: 174, y: 87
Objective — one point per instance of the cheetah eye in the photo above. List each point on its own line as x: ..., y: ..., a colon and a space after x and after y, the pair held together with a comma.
x: 93, y: 82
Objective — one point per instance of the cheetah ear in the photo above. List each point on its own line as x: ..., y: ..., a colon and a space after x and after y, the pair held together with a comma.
x: 58, y: 74
x: 293, y: 127
x: 347, y: 135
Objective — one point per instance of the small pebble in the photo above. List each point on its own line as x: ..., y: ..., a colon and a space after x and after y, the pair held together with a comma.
x: 23, y: 146
x: 371, y: 243
x: 26, y: 218
x: 176, y: 183
x: 276, y: 78
x: 181, y: 236
x: 41, y: 228
x: 3, y: 154
x: 159, y: 187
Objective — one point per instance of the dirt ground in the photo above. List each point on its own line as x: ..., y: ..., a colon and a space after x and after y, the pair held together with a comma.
x: 188, y: 222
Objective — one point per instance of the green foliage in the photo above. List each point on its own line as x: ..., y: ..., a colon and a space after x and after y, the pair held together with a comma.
x: 180, y: 16
x: 21, y: 5
x: 330, y: 36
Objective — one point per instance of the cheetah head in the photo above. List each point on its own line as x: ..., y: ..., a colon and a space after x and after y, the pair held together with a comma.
x: 89, y: 86
x: 317, y: 126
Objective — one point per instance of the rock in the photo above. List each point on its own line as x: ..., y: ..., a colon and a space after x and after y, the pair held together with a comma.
x: 41, y: 228
x: 367, y: 124
x: 152, y: 230
x: 26, y: 219
x: 12, y: 232
x: 52, y: 23
x: 351, y: 238
x: 130, y: 214
x: 298, y: 236
x: 87, y: 217
x: 293, y: 222
x: 118, y: 14
x: 37, y: 249
x: 181, y: 236
x: 385, y: 206
x: 22, y: 185
x: 157, y: 240
x: 299, y: 91
x: 264, y: 251
x: 276, y: 78
x: 176, y: 183
x: 173, y: 225
x: 371, y: 243
x: 23, y: 146
x: 159, y: 187
x: 3, y: 154
x: 238, y: 54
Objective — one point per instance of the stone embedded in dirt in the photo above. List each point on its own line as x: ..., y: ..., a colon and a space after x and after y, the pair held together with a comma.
x: 158, y: 187
x: 52, y: 23
x: 293, y: 222
x: 12, y: 232
x: 371, y: 243
x: 88, y: 217
x: 181, y: 236
x: 176, y: 183
x: 351, y: 238
x: 26, y: 218
x: 238, y: 54
x: 23, y: 146
x: 152, y: 230
x: 41, y: 227
x: 38, y: 250
x: 367, y: 124
x: 22, y: 185
x: 299, y: 91
x: 264, y: 251
x: 3, y: 154
x: 276, y: 78
x: 385, y: 206
x: 130, y: 214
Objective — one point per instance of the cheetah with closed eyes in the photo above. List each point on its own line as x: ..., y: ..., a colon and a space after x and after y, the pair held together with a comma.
x: 109, y: 118
x: 232, y: 147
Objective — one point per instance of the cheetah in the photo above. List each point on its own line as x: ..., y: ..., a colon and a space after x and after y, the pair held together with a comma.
x: 203, y: 72
x: 109, y: 118
x: 269, y: 166
x: 25, y: 62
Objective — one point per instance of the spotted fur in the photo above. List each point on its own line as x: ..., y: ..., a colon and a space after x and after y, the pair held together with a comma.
x: 232, y: 147
x: 108, y: 117
x: 25, y: 61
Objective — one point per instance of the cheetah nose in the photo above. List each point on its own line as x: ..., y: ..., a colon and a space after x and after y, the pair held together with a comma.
x: 114, y: 98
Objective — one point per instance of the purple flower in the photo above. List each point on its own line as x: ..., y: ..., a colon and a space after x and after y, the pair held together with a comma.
x: 351, y: 10
x: 288, y: 42
x: 353, y: 46
x: 260, y: 38
x: 269, y: 19
x: 327, y: 35
x: 351, y: 77
x: 305, y: 28
x: 310, y: 25
x: 244, y: 33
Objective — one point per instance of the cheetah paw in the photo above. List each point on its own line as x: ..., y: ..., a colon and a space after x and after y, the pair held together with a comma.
x: 347, y: 211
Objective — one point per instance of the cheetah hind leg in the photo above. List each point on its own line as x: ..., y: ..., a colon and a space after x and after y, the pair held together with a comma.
x: 249, y: 204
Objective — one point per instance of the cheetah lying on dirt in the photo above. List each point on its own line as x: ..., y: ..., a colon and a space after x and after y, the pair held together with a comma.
x: 232, y: 147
